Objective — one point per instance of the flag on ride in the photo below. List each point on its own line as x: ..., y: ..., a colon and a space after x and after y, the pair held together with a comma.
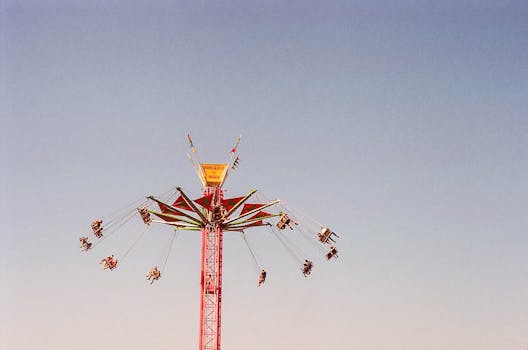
x: 234, y: 149
x: 193, y: 150
x: 235, y: 163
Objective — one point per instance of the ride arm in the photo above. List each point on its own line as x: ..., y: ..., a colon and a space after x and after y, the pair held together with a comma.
x: 251, y: 212
x: 178, y: 226
x: 174, y: 217
x: 191, y: 204
x: 175, y: 210
x: 250, y: 220
x: 242, y: 201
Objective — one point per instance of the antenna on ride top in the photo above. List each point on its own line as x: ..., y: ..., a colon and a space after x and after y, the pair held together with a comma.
x: 212, y: 215
x: 197, y: 167
x: 213, y: 174
x: 232, y: 162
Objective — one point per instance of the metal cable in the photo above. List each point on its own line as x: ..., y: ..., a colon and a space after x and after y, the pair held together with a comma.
x: 133, y: 243
x: 257, y: 265
x: 290, y: 250
x: 175, y: 234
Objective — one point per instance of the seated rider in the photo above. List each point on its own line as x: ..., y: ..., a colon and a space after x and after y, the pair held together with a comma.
x: 307, y: 267
x: 112, y: 263
x: 321, y: 237
x: 262, y: 277
x: 109, y: 262
x: 326, y: 235
x: 284, y: 221
x: 209, y: 286
x: 85, y: 245
x: 154, y: 274
x: 217, y: 213
x: 145, y: 215
x: 331, y: 253
x: 97, y: 229
x: 281, y: 225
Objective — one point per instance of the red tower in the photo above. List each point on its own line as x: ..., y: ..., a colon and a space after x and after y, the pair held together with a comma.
x: 211, y: 277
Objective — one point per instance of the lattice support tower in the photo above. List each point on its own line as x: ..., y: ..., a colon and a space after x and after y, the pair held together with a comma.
x: 211, y: 279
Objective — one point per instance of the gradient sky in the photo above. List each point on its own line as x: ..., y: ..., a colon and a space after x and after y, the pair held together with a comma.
x: 403, y: 125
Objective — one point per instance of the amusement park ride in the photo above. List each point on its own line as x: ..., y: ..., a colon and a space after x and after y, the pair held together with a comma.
x: 212, y: 215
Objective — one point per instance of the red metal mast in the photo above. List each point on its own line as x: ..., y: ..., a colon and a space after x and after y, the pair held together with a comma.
x: 211, y: 276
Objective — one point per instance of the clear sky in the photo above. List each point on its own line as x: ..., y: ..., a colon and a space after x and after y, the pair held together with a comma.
x: 403, y: 125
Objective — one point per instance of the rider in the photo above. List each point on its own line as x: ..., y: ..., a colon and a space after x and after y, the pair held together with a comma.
x: 97, y: 229
x: 331, y: 253
x: 85, y: 245
x: 154, y: 274
x: 109, y: 262
x: 326, y: 235
x: 307, y: 267
x: 284, y: 221
x: 262, y: 277
x: 145, y: 215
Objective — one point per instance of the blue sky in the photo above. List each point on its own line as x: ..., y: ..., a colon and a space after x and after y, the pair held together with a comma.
x: 402, y: 125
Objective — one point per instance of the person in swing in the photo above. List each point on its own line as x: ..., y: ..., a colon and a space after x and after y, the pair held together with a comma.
x: 154, y: 274
x: 262, y: 277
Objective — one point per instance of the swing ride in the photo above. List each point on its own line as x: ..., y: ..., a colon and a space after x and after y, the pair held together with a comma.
x: 212, y: 215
